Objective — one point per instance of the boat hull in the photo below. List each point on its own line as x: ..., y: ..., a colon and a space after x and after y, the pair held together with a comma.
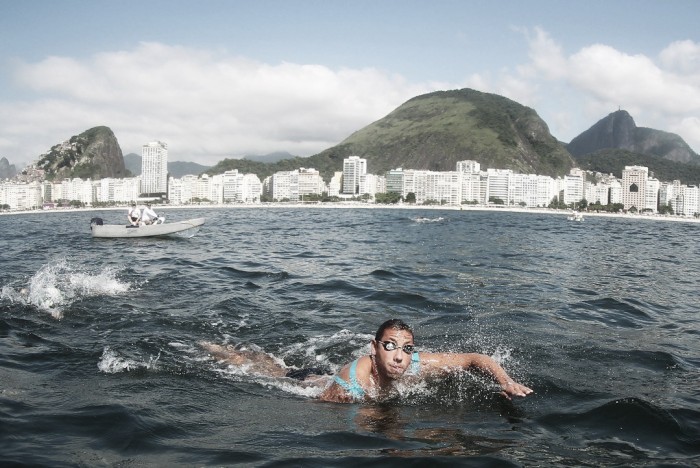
x: 152, y: 230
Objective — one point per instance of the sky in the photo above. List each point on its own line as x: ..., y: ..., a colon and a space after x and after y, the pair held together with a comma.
x: 219, y: 79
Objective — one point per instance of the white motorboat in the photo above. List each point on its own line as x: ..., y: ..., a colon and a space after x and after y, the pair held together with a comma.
x: 575, y: 216
x: 99, y: 229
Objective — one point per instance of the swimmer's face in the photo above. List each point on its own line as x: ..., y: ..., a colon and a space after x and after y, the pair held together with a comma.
x: 392, y: 364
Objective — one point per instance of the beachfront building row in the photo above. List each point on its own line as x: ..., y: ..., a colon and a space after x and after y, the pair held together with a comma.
x: 468, y: 184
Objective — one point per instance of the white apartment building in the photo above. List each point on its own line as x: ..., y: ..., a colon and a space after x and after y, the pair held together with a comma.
x: 181, y: 191
x: 573, y: 188
x: 104, y: 190
x: 310, y: 182
x: 127, y: 190
x: 21, y: 196
x: 677, y: 200
x: 532, y: 190
x: 472, y: 187
x: 375, y: 184
x: 395, y: 181
x: 615, y: 192
x: 634, y: 183
x: 250, y: 189
x: 154, y: 167
x: 217, y: 188
x: 666, y: 194
x: 499, y: 185
x: 284, y: 185
x: 202, y: 188
x: 444, y: 187
x: 689, y: 199
x: 652, y: 195
x: 354, y: 175
x: 335, y: 185
x: 471, y: 181
x: 596, y: 193
x: 468, y: 167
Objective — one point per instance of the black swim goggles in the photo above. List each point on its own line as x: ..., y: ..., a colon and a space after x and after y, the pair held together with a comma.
x: 391, y: 346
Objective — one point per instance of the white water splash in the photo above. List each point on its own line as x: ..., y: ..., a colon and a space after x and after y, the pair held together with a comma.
x: 58, y: 284
x: 112, y: 363
x: 422, y: 219
x: 501, y: 355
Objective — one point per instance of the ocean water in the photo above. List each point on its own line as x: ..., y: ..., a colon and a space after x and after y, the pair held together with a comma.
x: 100, y: 363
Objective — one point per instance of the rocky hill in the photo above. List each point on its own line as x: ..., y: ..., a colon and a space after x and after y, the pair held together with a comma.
x: 618, y: 131
x: 94, y: 154
x: 433, y: 132
x: 7, y: 170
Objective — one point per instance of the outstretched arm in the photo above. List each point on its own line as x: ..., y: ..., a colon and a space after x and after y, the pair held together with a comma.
x: 446, y: 362
x: 259, y: 363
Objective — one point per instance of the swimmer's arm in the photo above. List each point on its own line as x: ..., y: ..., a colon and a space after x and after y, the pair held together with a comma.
x: 335, y: 394
x: 444, y: 362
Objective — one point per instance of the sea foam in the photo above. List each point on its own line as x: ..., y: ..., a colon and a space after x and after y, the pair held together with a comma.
x: 58, y: 284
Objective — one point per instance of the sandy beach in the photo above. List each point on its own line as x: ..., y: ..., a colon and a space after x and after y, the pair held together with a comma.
x: 353, y: 205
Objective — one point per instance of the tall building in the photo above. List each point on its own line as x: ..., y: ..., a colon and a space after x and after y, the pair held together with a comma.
x: 154, y: 167
x: 634, y: 184
x: 354, y: 172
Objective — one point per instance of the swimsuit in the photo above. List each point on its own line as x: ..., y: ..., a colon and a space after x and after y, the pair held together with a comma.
x: 355, y: 389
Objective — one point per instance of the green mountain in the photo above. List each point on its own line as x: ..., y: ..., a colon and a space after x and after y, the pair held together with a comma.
x: 433, y: 132
x: 93, y: 154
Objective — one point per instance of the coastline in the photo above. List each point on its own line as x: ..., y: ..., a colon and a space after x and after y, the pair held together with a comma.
x: 351, y: 205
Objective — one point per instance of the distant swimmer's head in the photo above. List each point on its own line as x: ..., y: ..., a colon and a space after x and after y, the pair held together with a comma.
x: 392, y: 348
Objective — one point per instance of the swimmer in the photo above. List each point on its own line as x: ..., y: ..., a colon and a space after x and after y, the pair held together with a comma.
x: 392, y: 359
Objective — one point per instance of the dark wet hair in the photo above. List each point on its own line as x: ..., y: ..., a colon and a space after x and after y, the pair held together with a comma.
x: 393, y: 324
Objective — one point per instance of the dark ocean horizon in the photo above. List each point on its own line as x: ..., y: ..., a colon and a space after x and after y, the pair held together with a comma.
x: 100, y: 363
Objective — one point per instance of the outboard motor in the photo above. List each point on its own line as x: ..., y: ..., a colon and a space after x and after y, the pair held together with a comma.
x: 96, y: 222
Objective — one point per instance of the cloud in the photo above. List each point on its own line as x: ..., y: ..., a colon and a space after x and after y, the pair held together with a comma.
x: 207, y: 105
x: 683, y: 57
x: 661, y: 93
x: 211, y: 104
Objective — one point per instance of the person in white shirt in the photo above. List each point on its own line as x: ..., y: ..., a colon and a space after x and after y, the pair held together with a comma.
x: 148, y: 216
x: 134, y: 215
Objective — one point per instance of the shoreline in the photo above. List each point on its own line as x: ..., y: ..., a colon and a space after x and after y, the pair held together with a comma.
x: 548, y: 211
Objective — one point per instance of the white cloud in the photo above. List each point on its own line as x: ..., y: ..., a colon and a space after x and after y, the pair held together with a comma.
x: 663, y: 94
x: 210, y: 104
x: 206, y: 105
x: 683, y: 57
x: 546, y: 55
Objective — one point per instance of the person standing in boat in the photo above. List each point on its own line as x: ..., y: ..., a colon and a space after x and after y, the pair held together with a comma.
x: 134, y: 215
x: 148, y: 216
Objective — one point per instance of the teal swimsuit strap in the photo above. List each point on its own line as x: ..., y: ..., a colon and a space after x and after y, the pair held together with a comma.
x: 415, y: 363
x: 353, y: 388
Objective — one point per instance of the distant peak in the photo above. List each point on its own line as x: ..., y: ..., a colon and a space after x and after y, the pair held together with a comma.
x: 622, y: 115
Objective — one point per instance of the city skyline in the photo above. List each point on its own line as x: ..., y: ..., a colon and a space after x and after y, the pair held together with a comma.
x: 228, y: 78
x: 637, y: 190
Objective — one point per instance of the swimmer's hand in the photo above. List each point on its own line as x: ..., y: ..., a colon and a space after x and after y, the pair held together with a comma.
x: 511, y: 388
